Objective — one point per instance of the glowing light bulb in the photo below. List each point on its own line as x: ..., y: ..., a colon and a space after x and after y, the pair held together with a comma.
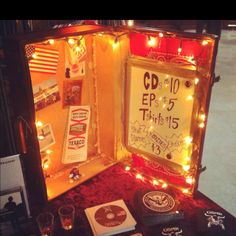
x: 139, y: 176
x: 152, y: 41
x: 71, y: 41
x: 179, y: 50
x: 39, y: 123
x: 188, y: 158
x: 77, y: 49
x: 51, y: 41
x: 189, y: 180
x: 45, y: 166
x: 100, y: 34
x: 164, y: 185
x: 40, y: 137
x: 127, y: 168
x: 189, y: 98
x: 155, y: 182
x: 202, y: 117
x: 161, y: 35
x: 196, y: 81
x: 34, y: 56
x: 48, y: 151
x: 130, y: 23
x: 204, y: 42
x: 201, y: 125
x: 115, y: 44
x: 185, y: 190
x: 188, y: 140
x: 186, y: 167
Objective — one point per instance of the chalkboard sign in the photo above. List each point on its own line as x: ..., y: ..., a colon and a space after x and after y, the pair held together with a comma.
x: 159, y: 110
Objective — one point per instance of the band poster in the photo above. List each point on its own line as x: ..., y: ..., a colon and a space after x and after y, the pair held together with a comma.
x: 76, y: 139
x: 159, y: 113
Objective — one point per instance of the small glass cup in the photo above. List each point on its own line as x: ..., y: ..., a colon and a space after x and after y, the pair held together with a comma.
x: 67, y: 215
x: 45, y: 223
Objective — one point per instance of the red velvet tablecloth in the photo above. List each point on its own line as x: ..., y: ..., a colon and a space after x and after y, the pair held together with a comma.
x: 113, y: 184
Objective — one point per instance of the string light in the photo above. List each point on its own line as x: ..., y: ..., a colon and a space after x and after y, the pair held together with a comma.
x: 139, y: 176
x: 115, y: 44
x: 45, y: 164
x: 204, y: 42
x: 77, y: 49
x: 196, y: 81
x: 189, y: 98
x: 187, y: 158
x: 202, y: 125
x: 48, y: 151
x: 127, y: 168
x: 189, y: 180
x: 161, y: 35
x: 71, y: 41
x: 155, y: 182
x: 152, y: 41
x: 130, y: 23
x: 188, y: 140
x: 185, y: 190
x: 40, y: 137
x: 180, y: 47
x: 51, y: 41
x: 39, y: 124
x: 202, y: 117
x: 34, y: 55
x: 186, y: 167
x: 164, y: 185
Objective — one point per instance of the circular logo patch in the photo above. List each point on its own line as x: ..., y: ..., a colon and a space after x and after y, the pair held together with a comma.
x: 158, y: 201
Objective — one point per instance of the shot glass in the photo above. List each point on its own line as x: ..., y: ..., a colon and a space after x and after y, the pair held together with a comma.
x: 67, y: 215
x: 45, y: 223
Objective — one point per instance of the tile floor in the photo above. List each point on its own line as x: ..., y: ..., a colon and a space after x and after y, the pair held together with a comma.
x: 218, y: 182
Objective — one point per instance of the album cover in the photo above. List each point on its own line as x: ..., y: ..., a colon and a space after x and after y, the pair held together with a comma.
x: 157, y: 206
x: 110, y: 218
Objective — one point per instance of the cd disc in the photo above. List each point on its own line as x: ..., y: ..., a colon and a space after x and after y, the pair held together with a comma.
x: 110, y: 216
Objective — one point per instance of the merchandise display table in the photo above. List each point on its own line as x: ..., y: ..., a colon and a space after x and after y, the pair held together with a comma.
x: 113, y: 184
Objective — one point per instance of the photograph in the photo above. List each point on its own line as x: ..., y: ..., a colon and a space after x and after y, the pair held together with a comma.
x: 45, y: 137
x: 72, y: 93
x: 12, y: 206
x: 45, y: 94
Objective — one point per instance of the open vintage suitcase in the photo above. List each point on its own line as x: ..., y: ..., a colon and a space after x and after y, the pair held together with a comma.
x: 86, y: 97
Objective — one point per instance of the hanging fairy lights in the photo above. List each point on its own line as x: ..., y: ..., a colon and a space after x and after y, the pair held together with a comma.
x: 115, y: 43
x: 152, y: 41
x: 154, y: 181
x: 130, y: 23
x: 51, y: 41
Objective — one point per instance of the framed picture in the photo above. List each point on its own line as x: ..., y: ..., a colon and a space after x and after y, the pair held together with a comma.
x: 72, y: 93
x: 12, y: 206
x: 45, y: 94
x: 45, y: 137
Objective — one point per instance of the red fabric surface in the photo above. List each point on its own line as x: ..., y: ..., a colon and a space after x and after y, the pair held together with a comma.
x: 166, y: 48
x: 113, y: 184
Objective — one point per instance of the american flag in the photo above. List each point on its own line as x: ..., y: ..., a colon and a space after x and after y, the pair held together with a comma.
x: 45, y: 60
